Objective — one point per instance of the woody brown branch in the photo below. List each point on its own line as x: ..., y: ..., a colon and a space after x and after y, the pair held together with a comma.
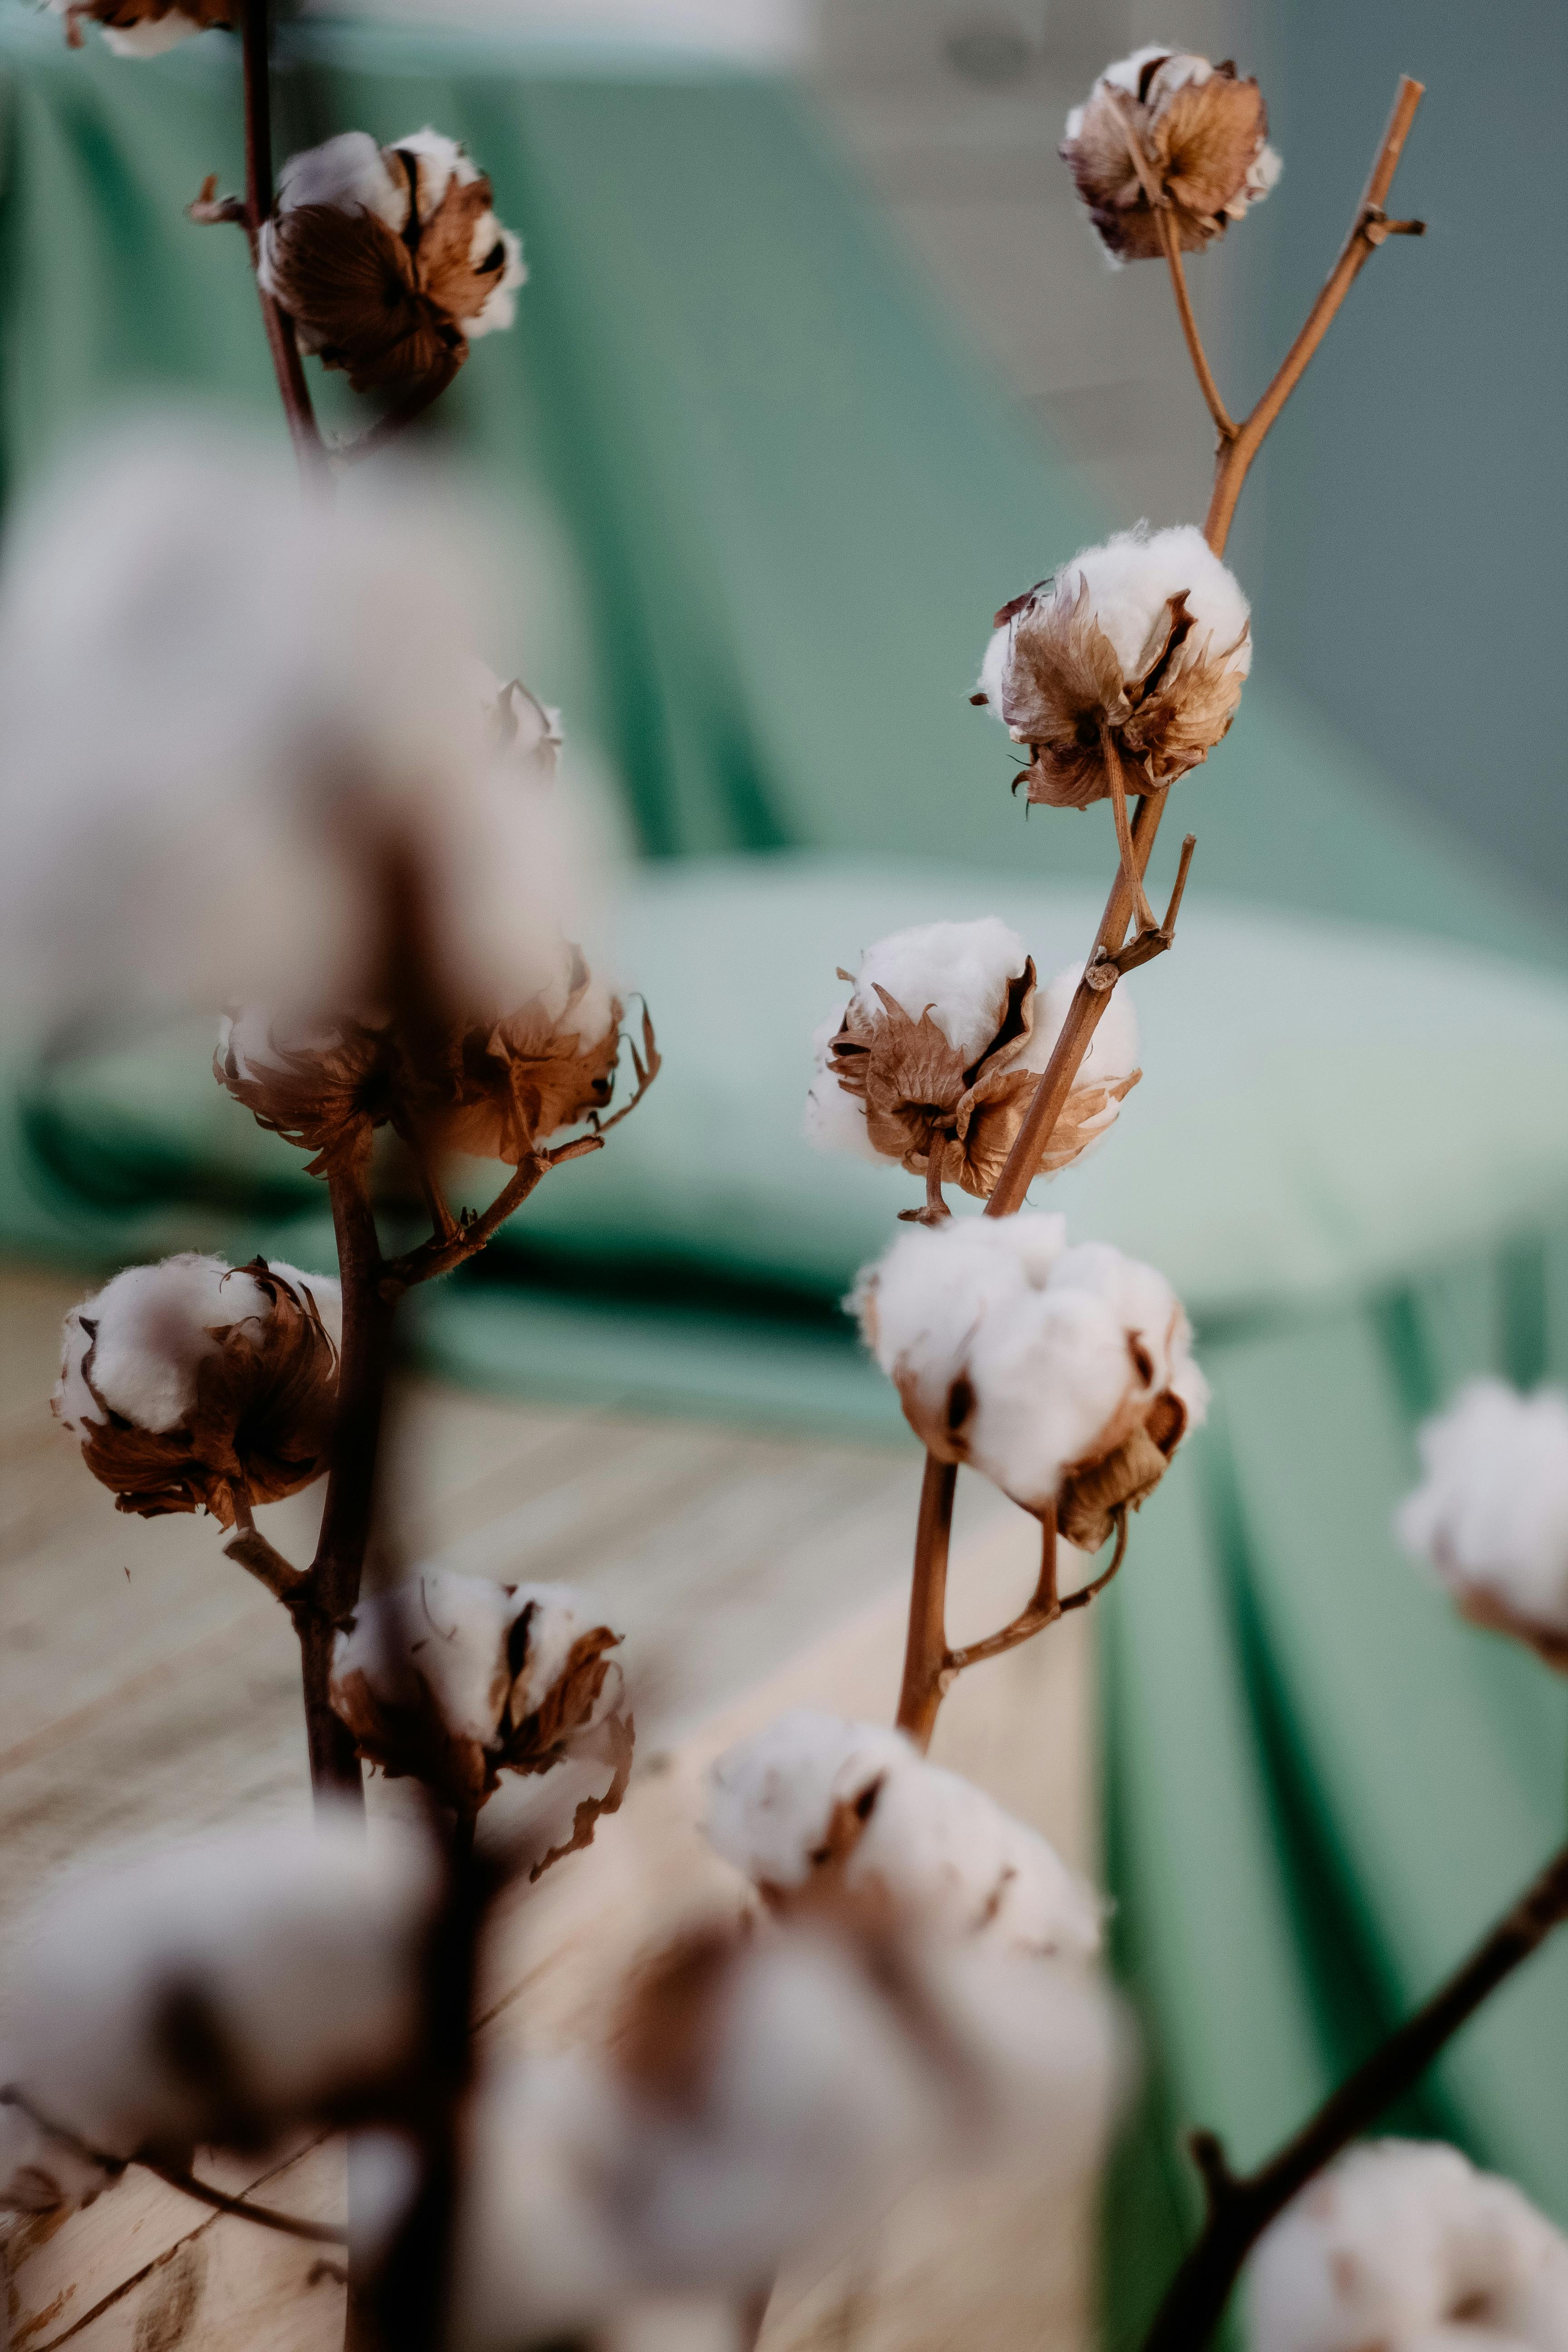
x: 287, y: 366
x: 1240, y: 2208
x: 926, y: 1648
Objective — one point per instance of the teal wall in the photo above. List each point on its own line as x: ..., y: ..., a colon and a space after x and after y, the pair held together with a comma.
x: 1406, y: 547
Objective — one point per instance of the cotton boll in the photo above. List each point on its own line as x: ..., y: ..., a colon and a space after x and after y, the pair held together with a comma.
x: 195, y: 1386
x: 456, y: 1679
x: 763, y: 2099
x: 293, y: 1951
x: 1066, y: 1376
x: 1202, y: 133
x: 814, y: 1802
x: 1491, y: 1513
x: 1130, y: 661
x: 387, y: 268
x: 1400, y: 2241
x: 922, y: 1302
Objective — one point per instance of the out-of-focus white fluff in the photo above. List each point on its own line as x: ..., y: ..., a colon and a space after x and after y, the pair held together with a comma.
x: 1404, y: 2243
x: 1492, y: 1509
x: 450, y: 1632
x: 1041, y: 1333
x: 302, y: 1942
x: 818, y: 2106
x: 944, y: 1851
x: 221, y: 708
x: 151, y: 38
x: 1129, y: 580
x: 155, y: 1326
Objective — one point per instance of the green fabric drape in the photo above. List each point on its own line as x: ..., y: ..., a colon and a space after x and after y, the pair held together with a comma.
x: 776, y: 505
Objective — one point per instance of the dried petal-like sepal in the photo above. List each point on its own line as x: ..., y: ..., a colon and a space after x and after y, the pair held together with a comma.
x: 499, y: 1091
x: 1202, y: 137
x: 322, y: 1090
x: 177, y: 1415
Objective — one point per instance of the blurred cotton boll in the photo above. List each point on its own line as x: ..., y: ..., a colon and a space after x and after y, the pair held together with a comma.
x: 231, y: 722
x: 220, y: 1991
x: 765, y: 2097
x: 1404, y: 2243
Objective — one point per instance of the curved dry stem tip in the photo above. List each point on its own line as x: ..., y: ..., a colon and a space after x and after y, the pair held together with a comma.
x: 1143, y: 912
x: 1086, y: 1592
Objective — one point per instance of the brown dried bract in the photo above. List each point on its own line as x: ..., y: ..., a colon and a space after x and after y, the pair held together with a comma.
x: 498, y: 1091
x: 124, y: 15
x: 1199, y: 141
x: 919, y: 1093
x: 1065, y: 693
x: 1133, y: 1458
x: 921, y: 1097
x: 1483, y: 1607
x: 262, y: 1425
x: 387, y: 307
x: 322, y: 1097
x: 666, y: 2041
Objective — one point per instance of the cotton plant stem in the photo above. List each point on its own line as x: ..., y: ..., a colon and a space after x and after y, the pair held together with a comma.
x: 1240, y: 2208
x: 1169, y: 239
x: 926, y: 1651
x: 1367, y: 232
x: 308, y: 449
x: 334, y: 1575
x: 266, y: 2217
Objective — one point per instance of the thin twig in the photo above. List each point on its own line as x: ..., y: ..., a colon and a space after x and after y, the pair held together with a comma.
x: 1171, y: 246
x: 1369, y: 229
x: 1087, y: 1593
x: 442, y: 1252
x: 249, y: 1547
x: 926, y: 1676
x: 266, y: 2217
x: 1240, y: 2208
x: 1143, y: 912
x: 1169, y: 239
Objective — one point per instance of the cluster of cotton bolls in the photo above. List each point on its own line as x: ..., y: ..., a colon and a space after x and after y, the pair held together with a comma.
x: 1492, y: 1512
x: 195, y: 1385
x: 760, y: 2094
x: 937, y: 1054
x: 1404, y: 2245
x: 1064, y: 1374
x: 1125, y: 667
x: 456, y: 1679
